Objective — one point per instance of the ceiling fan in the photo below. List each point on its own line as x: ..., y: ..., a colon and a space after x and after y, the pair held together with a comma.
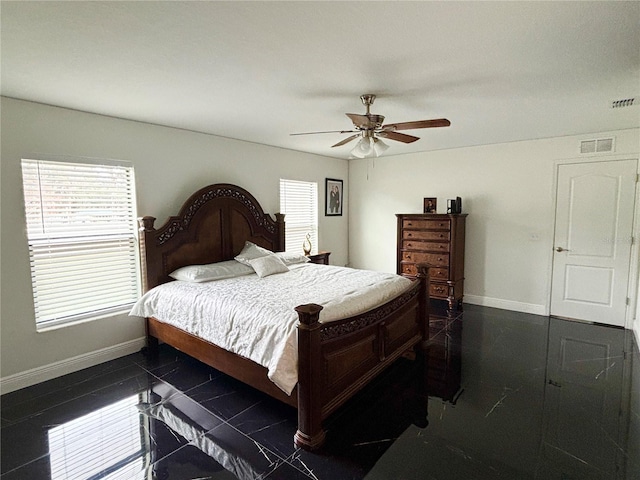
x: 370, y: 129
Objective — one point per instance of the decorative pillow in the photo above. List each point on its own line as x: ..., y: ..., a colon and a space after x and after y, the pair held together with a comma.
x: 251, y: 251
x: 291, y: 258
x: 268, y: 265
x: 212, y: 271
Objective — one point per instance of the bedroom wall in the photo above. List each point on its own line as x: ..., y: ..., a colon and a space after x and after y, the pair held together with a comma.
x: 170, y: 164
x: 508, y: 192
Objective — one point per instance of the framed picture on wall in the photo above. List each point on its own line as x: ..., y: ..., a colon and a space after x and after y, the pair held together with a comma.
x: 333, y: 201
x: 430, y: 205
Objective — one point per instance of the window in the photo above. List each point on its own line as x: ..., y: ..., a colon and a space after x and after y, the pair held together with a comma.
x: 299, y: 202
x: 82, y: 238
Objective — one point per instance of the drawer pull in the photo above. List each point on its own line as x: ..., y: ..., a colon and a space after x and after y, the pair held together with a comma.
x: 408, y: 256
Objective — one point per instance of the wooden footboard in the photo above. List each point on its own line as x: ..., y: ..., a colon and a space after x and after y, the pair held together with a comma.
x: 337, y: 359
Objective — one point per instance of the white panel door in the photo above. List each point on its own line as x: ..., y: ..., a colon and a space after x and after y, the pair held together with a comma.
x: 592, y: 244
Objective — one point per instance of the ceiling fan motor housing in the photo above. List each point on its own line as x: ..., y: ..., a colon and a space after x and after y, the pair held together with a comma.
x: 375, y: 121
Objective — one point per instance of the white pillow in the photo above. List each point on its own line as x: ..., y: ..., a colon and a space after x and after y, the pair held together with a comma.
x: 291, y: 258
x: 211, y: 271
x: 268, y: 265
x: 251, y: 251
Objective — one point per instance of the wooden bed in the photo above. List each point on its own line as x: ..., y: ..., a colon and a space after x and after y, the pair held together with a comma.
x: 335, y: 360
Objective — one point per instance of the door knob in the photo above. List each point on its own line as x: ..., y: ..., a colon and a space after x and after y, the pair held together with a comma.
x: 560, y: 249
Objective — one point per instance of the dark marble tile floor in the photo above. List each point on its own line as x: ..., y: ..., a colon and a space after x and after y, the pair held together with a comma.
x: 499, y: 395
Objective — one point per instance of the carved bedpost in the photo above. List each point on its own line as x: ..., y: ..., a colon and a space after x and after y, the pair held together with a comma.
x: 424, y: 302
x: 145, y: 227
x: 310, y: 434
x: 280, y: 222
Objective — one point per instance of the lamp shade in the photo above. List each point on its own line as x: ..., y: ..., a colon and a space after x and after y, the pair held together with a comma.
x: 379, y: 147
x: 364, y: 148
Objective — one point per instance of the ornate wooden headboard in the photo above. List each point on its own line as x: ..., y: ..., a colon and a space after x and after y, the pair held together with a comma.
x: 212, y: 226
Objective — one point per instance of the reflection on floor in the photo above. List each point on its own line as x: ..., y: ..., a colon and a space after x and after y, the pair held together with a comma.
x: 498, y: 395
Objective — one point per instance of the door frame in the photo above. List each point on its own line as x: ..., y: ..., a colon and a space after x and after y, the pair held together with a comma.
x: 634, y: 267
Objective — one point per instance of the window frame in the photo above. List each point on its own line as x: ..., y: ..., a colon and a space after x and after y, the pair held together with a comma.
x: 295, y: 230
x: 104, y: 239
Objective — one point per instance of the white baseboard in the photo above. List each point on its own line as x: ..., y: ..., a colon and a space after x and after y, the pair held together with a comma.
x: 506, y: 304
x: 70, y: 365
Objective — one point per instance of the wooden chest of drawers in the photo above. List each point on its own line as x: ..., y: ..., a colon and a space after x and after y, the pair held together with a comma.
x: 436, y: 239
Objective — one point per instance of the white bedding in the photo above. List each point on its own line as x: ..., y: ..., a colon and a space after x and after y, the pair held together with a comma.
x: 255, y: 317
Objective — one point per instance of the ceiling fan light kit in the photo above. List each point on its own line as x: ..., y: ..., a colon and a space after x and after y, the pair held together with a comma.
x: 369, y: 146
x: 369, y: 127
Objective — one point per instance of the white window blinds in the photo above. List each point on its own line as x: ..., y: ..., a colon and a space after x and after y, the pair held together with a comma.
x: 81, y: 233
x: 299, y: 202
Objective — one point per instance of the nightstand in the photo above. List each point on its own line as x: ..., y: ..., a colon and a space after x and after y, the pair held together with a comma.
x: 320, y: 258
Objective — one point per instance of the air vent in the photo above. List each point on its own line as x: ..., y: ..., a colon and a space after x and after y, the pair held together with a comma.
x: 604, y: 145
x: 624, y: 102
x: 598, y: 145
x: 588, y: 146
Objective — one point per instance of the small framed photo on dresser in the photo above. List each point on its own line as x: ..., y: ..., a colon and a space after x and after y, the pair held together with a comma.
x: 430, y: 205
x: 333, y: 199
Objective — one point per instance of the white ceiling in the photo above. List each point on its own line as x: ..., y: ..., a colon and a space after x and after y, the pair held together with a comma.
x: 258, y: 71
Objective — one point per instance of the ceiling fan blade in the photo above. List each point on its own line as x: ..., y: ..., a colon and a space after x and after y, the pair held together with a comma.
x: 346, y: 140
x: 400, y: 137
x: 327, y: 131
x: 438, y: 122
x: 358, y: 120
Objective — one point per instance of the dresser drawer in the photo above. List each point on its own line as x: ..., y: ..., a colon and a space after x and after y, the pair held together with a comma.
x: 425, y: 246
x: 438, y: 290
x: 439, y: 273
x: 431, y: 258
x: 434, y: 272
x: 444, y: 224
x: 409, y: 269
x: 441, y: 235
